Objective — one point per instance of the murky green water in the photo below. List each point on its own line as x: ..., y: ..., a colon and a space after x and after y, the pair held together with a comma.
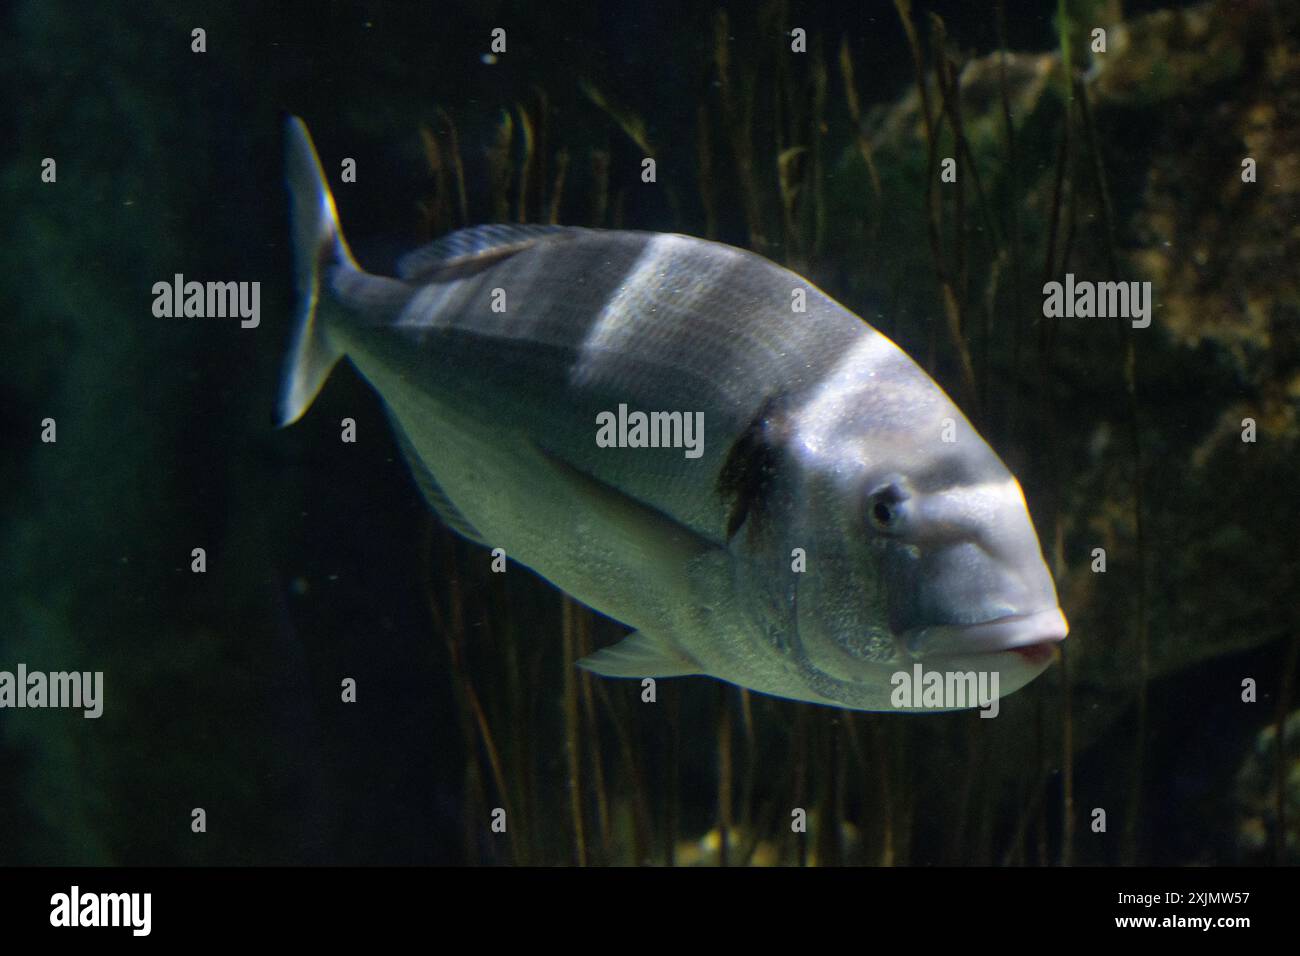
x: 344, y: 680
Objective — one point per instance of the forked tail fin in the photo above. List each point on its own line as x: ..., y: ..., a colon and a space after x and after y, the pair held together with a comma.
x: 318, y: 245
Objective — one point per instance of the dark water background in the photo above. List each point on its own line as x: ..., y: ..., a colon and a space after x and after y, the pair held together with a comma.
x: 222, y: 689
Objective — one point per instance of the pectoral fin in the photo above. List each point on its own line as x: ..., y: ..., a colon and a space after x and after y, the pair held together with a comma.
x: 640, y: 655
x: 652, y: 544
x: 654, y: 574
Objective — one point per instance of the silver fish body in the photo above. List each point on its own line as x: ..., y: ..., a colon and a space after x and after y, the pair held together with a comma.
x: 839, y: 521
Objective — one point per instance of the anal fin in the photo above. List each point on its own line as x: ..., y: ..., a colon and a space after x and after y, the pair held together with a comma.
x: 640, y: 655
x: 431, y: 490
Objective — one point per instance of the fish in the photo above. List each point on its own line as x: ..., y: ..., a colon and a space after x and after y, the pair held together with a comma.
x: 836, y: 522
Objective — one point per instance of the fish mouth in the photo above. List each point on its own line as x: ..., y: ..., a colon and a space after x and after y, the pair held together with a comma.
x: 1031, y: 635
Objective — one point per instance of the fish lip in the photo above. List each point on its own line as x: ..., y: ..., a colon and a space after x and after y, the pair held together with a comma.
x: 989, y: 637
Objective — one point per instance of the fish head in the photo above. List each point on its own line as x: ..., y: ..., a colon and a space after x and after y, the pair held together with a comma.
x: 960, y: 565
x: 921, y: 548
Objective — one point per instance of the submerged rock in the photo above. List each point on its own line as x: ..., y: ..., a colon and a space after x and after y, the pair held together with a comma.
x: 1257, y: 793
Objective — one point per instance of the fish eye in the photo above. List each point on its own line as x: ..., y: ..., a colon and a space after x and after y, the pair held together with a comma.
x: 886, y: 507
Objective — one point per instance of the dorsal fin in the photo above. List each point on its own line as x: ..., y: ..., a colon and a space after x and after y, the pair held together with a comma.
x: 466, y: 251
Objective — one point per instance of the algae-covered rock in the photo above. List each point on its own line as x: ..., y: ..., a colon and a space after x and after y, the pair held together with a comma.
x: 1148, y: 187
x: 1259, y: 787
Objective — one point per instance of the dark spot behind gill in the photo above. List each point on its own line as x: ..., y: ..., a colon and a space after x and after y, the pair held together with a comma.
x: 748, y: 470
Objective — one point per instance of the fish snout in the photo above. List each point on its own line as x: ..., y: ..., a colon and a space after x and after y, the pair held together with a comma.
x: 977, y: 583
